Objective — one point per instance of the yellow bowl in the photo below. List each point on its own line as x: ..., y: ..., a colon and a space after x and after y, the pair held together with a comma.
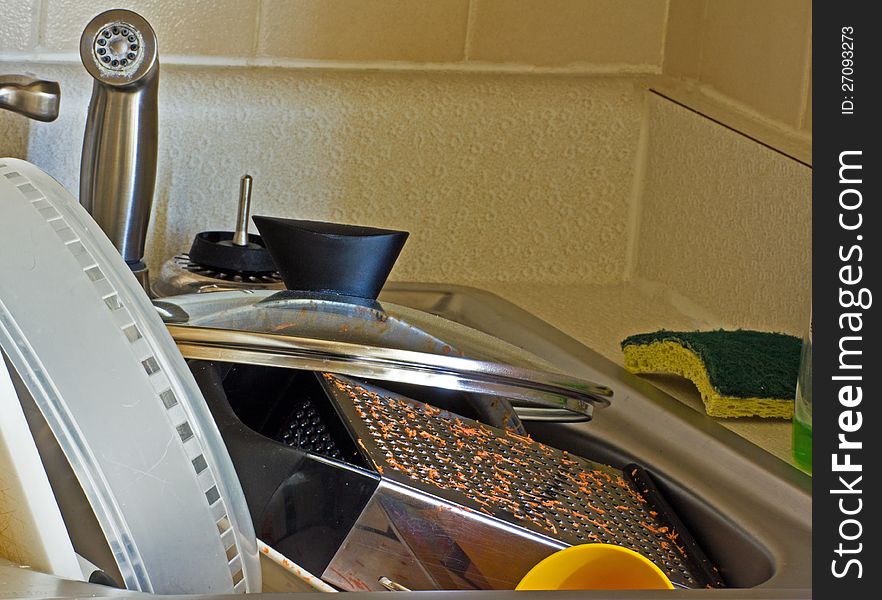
x: 595, y: 567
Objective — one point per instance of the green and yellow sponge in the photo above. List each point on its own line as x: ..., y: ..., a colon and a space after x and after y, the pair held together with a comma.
x: 739, y: 373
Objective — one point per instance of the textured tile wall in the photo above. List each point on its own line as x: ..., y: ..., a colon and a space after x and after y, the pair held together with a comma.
x: 353, y: 30
x: 501, y: 178
x: 198, y: 27
x: 606, y: 34
x: 13, y: 133
x: 18, y: 25
x: 684, y: 36
x: 564, y: 32
x: 498, y: 177
x: 755, y: 52
x: 725, y: 221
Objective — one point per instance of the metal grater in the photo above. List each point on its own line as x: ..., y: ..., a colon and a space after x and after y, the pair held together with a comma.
x: 517, y: 480
x: 305, y: 429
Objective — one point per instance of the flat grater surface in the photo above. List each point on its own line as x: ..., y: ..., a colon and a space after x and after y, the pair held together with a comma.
x: 518, y: 480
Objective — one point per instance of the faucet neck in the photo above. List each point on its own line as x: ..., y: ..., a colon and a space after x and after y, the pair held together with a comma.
x: 33, y: 98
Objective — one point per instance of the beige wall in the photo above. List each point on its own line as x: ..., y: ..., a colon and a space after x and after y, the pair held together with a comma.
x: 756, y: 53
x: 725, y: 222
x: 753, y: 55
x: 483, y: 126
x: 609, y: 35
x: 498, y: 177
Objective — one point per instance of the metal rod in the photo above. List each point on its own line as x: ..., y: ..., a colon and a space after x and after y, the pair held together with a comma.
x: 240, y: 237
x: 391, y: 585
x: 293, y: 568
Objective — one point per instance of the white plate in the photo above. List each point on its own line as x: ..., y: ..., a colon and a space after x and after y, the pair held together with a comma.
x: 118, y: 397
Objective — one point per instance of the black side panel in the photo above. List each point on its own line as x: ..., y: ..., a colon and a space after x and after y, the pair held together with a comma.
x: 301, y: 504
x: 705, y: 573
x: 312, y: 511
x: 290, y: 407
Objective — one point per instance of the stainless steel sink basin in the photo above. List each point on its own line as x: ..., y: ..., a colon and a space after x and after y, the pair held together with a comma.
x: 749, y: 510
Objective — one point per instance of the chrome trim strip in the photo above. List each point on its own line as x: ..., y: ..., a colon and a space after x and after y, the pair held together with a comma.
x: 404, y: 366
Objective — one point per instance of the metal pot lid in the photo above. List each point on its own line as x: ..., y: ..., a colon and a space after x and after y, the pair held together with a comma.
x: 99, y: 365
x: 374, y: 340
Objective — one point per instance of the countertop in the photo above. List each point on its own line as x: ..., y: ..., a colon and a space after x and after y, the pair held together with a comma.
x: 600, y: 316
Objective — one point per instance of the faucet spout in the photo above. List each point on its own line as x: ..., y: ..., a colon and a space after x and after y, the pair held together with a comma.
x: 118, y: 168
x: 30, y: 97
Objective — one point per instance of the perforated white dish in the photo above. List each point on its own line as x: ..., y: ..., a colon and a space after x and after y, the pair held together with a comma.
x: 109, y: 381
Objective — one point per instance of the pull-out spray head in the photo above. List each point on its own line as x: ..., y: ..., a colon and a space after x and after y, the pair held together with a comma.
x: 118, y: 48
x: 118, y: 169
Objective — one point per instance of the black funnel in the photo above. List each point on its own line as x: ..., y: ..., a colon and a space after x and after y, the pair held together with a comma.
x: 314, y: 256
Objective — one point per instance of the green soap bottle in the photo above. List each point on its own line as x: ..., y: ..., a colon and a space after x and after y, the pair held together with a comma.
x: 802, y: 413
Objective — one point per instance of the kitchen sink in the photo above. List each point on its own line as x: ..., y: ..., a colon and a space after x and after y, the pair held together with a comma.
x: 750, y: 511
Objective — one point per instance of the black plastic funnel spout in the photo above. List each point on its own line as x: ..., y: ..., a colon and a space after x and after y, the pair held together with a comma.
x: 331, y: 258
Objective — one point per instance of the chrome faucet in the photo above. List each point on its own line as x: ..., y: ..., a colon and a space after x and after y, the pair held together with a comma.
x: 30, y: 97
x: 118, y: 168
